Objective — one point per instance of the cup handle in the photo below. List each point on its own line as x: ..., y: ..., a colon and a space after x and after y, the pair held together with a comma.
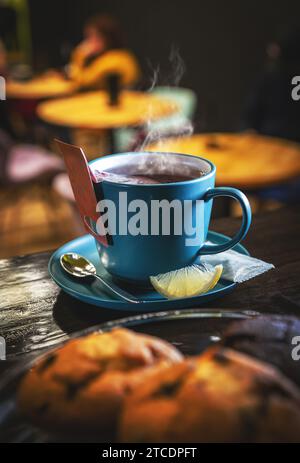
x: 246, y: 221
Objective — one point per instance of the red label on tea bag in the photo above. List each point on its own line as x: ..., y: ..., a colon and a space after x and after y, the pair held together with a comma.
x: 81, y: 181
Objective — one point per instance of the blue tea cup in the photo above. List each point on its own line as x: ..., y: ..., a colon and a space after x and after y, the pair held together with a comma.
x: 154, y: 228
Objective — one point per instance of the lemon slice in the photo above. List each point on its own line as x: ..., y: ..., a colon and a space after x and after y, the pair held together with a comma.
x: 187, y: 281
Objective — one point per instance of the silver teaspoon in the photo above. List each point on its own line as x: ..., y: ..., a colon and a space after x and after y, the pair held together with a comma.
x: 80, y: 267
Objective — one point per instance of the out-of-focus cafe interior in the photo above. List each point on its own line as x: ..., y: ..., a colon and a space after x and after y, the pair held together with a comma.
x: 149, y: 224
x: 111, y: 77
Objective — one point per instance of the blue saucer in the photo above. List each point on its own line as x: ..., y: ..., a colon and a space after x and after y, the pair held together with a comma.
x: 90, y: 290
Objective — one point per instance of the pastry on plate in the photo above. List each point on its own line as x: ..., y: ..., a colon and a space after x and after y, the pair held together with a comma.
x: 220, y: 396
x: 81, y: 386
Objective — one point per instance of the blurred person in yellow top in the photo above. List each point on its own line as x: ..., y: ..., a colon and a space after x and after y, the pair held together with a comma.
x: 102, y: 54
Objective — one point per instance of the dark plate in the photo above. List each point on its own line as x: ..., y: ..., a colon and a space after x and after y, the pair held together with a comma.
x: 191, y: 331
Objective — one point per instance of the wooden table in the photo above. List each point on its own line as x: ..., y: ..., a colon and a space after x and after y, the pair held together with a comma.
x: 91, y: 110
x: 42, y: 87
x: 246, y: 161
x: 35, y: 314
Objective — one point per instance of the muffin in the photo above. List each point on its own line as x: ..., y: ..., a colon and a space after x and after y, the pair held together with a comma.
x: 220, y: 396
x: 267, y: 338
x: 81, y: 386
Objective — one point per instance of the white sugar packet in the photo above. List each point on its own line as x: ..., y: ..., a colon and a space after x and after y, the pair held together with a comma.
x: 237, y: 267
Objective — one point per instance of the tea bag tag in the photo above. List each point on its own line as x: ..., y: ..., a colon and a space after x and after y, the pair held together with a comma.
x: 82, y: 186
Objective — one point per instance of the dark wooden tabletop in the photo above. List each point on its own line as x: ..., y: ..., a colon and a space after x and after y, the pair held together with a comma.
x: 35, y: 313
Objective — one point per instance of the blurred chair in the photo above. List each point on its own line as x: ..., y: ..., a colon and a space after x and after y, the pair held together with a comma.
x: 178, y: 123
x: 33, y: 217
x: 62, y: 186
x: 28, y: 162
x: 185, y: 99
x: 24, y: 163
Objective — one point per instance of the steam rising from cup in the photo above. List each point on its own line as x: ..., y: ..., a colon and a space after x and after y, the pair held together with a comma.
x: 158, y: 163
x: 178, y: 127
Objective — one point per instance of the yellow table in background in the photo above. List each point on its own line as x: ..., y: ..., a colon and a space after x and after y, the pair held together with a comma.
x: 42, y: 87
x: 92, y: 111
x: 243, y: 160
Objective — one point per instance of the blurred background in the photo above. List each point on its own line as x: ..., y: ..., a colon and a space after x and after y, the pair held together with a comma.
x: 224, y: 69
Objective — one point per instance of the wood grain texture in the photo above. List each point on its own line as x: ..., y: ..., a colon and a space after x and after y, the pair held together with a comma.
x: 243, y: 160
x: 91, y: 110
x: 35, y: 314
x: 34, y: 218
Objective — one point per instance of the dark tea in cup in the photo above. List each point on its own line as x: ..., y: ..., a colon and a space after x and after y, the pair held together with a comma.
x: 148, y: 179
